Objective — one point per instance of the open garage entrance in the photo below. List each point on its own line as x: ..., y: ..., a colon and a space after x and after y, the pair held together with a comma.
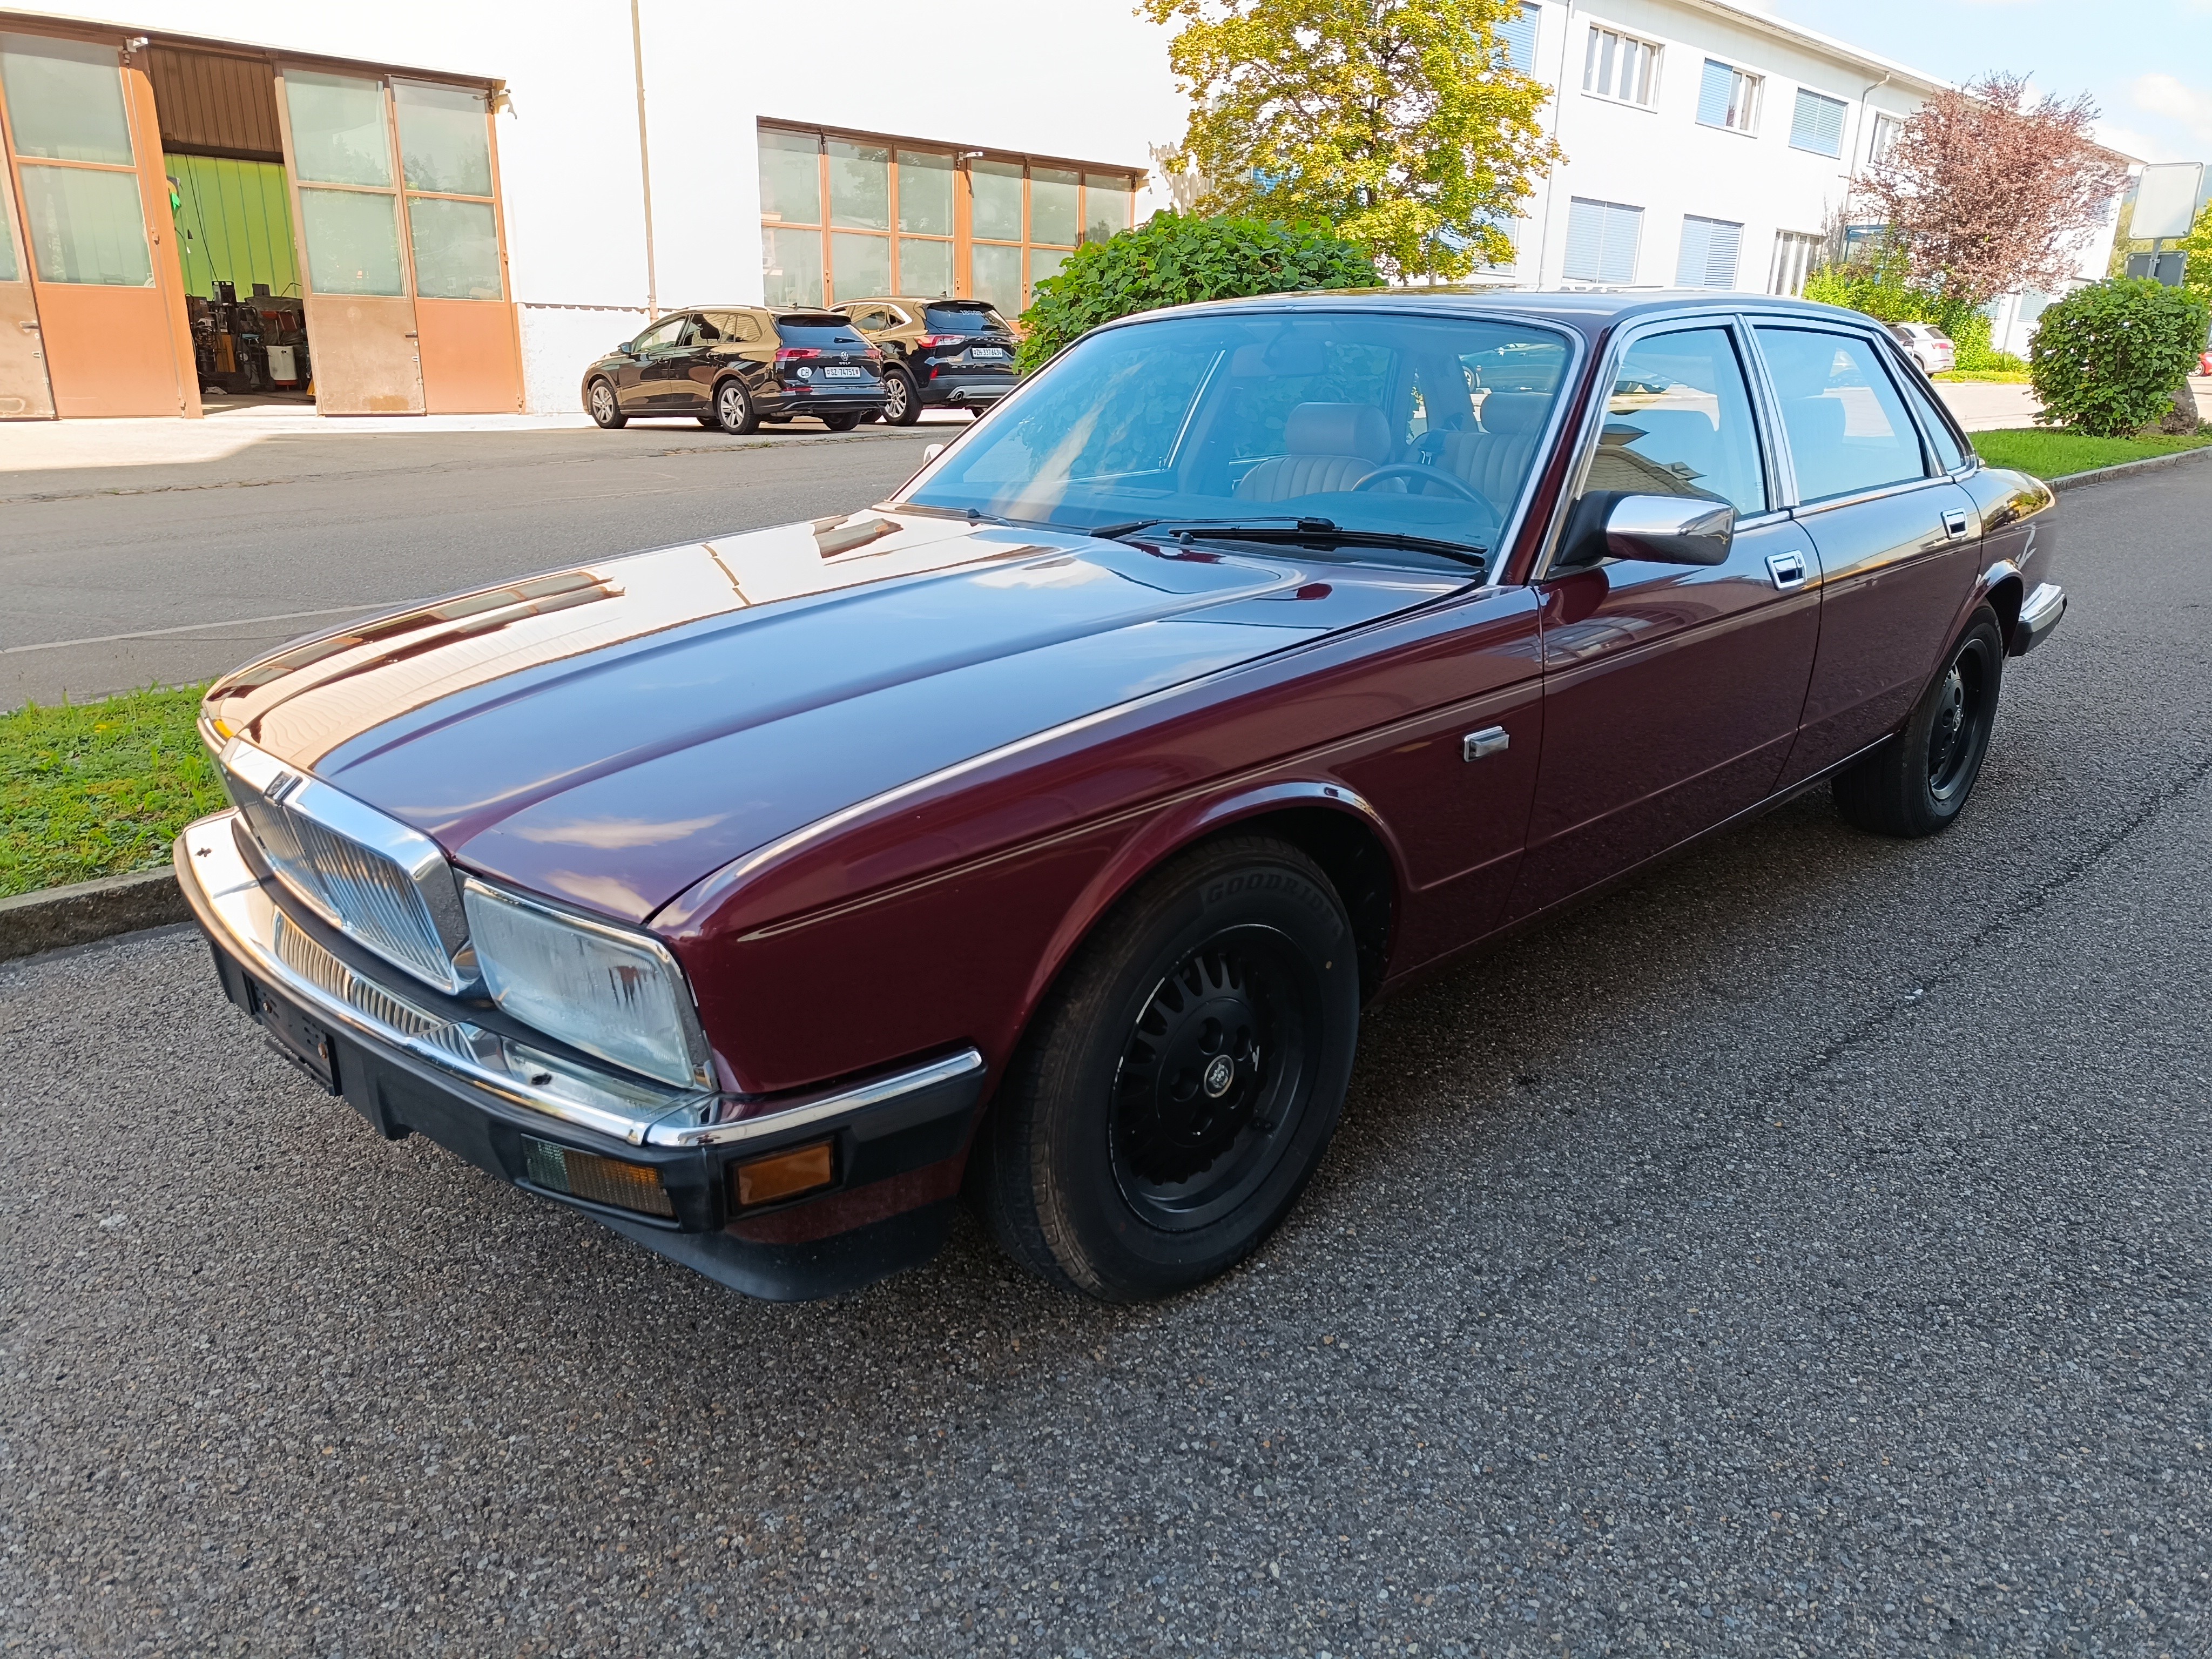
x: 188, y: 220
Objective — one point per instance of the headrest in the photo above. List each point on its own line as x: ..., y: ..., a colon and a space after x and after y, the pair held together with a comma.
x: 1338, y: 429
x: 1515, y: 414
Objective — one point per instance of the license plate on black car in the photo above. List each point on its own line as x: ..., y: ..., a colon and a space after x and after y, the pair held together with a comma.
x: 297, y: 1036
x: 987, y: 351
x: 841, y: 373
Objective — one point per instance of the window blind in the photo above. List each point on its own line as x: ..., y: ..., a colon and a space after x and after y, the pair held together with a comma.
x: 1710, y: 251
x: 1518, y: 31
x: 1818, y: 124
x: 1602, y: 240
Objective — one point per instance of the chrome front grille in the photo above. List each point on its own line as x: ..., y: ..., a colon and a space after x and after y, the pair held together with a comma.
x: 377, y: 881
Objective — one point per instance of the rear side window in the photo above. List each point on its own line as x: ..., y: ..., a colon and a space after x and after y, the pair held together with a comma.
x: 1847, y: 426
x: 1680, y: 423
x: 964, y: 320
x: 1949, y: 456
x: 732, y: 325
x: 818, y: 329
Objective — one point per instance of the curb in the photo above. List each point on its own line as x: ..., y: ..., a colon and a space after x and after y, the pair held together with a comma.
x: 2100, y: 475
x: 87, y: 911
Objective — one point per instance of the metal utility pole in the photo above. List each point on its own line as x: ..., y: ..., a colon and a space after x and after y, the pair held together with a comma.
x: 644, y: 162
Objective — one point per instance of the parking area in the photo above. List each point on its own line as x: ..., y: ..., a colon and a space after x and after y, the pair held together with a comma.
x: 1804, y: 1250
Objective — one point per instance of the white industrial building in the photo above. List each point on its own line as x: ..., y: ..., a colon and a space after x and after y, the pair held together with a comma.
x: 634, y: 155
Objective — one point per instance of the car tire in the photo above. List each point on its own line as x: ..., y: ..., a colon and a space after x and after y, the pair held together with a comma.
x: 733, y: 411
x: 1918, y: 784
x: 902, y: 403
x: 844, y: 423
x: 600, y: 401
x: 1176, y: 1092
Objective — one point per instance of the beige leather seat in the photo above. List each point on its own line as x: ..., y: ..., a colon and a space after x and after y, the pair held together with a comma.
x: 1491, y: 462
x: 1332, y: 446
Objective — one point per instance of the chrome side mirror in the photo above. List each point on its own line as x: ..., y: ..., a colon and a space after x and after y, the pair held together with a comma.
x: 1658, y: 529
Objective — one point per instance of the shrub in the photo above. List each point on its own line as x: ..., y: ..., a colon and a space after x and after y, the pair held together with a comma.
x: 2108, y: 357
x: 1878, y: 287
x: 1171, y: 261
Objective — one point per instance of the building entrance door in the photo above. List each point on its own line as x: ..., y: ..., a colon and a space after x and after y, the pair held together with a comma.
x: 25, y: 393
x: 340, y: 154
x: 102, y: 321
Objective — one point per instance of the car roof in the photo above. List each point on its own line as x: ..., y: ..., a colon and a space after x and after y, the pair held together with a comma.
x: 1586, y: 310
x: 919, y: 300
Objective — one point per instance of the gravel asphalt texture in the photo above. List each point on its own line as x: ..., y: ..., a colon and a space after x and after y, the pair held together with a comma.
x: 1803, y: 1250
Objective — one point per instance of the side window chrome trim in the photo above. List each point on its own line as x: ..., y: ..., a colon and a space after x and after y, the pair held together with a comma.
x: 1905, y: 488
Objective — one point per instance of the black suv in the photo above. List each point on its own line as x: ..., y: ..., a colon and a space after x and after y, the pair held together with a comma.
x: 733, y: 366
x: 949, y: 353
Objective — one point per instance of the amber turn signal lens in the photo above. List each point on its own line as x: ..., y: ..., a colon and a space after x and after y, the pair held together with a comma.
x: 596, y: 1180
x: 783, y: 1175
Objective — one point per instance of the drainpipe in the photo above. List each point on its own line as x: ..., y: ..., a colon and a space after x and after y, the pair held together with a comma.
x: 644, y: 162
x: 1852, y: 179
x: 1552, y: 177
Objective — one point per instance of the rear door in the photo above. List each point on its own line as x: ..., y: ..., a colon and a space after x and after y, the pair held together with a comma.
x: 1898, y: 541
x: 1671, y: 692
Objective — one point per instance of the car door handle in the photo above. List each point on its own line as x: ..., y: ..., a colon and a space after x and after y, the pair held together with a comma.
x: 1954, y: 525
x: 1788, y: 570
x: 1479, y: 745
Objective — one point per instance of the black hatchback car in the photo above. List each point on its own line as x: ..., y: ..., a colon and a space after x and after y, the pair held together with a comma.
x: 734, y: 366
x: 956, y: 354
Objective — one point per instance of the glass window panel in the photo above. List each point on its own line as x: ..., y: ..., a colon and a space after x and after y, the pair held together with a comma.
x: 456, y: 249
x: 1043, y: 262
x: 444, y: 142
x: 1680, y: 423
x: 859, y: 186
x: 353, y: 242
x: 925, y: 268
x: 1847, y: 427
x: 338, y: 129
x: 925, y: 193
x: 998, y: 203
x: 790, y: 266
x: 995, y: 274
x: 85, y: 226
x: 1105, y: 206
x: 1052, y: 206
x: 791, y: 179
x: 64, y: 99
x: 10, y: 270
x: 859, y: 266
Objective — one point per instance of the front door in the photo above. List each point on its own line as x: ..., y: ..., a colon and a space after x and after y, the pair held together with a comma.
x: 1671, y: 692
x: 101, y: 321
x: 642, y: 383
x: 25, y: 393
x: 339, y: 150
x: 1898, y: 547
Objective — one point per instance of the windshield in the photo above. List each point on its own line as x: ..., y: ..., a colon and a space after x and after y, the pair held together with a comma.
x: 1404, y: 424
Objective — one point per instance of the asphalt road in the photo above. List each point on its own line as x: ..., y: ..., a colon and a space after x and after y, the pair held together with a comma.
x: 169, y: 572
x: 1802, y: 1252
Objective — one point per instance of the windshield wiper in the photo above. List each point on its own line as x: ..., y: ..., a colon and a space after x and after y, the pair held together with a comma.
x: 1306, y: 531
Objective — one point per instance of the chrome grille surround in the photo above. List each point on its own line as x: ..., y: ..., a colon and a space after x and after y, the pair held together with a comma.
x: 381, y: 884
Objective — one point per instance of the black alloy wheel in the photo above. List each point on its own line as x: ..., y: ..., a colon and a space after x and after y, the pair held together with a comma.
x: 1177, y: 1091
x: 902, y: 403
x: 733, y: 411
x: 1918, y: 784
x: 605, y: 407
x: 844, y: 423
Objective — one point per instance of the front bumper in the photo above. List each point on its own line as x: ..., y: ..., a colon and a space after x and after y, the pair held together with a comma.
x: 2038, y: 614
x: 407, y: 1060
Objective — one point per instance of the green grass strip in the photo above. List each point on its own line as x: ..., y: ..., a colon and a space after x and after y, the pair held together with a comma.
x: 2049, y: 454
x: 100, y: 788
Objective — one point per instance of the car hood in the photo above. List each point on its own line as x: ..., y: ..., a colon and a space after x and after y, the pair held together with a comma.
x: 611, y: 733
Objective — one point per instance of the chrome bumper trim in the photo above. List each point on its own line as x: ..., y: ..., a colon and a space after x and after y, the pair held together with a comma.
x: 2038, y: 614
x: 235, y: 908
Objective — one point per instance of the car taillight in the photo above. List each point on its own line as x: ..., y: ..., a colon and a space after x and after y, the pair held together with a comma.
x: 942, y: 340
x: 796, y: 354
x: 874, y: 356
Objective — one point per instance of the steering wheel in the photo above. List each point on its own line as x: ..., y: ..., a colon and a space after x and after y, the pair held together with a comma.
x: 1425, y: 475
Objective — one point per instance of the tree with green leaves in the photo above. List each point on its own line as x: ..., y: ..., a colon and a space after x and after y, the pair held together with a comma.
x: 2196, y: 274
x: 1398, y: 123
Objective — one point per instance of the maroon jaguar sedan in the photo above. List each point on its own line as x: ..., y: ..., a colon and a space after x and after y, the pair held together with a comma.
x: 1041, y: 832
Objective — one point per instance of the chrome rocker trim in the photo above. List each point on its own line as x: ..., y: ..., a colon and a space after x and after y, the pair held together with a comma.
x: 236, y: 909
x: 2038, y: 614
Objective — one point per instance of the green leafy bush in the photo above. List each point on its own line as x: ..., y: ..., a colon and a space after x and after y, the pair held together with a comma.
x: 1877, y: 286
x: 2108, y: 357
x: 1173, y: 261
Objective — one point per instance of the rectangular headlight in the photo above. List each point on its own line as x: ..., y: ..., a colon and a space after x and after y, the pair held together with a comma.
x: 603, y: 989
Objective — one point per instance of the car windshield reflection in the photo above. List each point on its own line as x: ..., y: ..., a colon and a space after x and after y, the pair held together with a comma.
x: 1414, y: 427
